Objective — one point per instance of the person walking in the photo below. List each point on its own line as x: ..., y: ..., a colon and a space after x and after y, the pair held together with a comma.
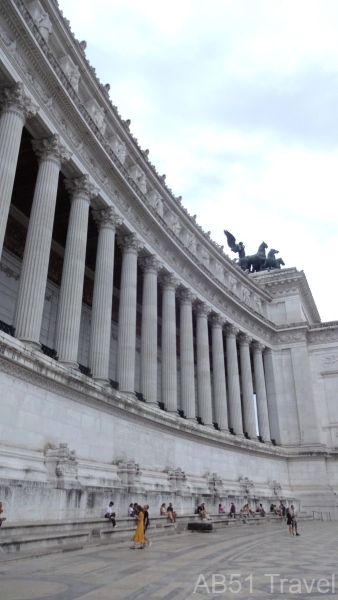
x: 139, y: 537
x: 146, y: 523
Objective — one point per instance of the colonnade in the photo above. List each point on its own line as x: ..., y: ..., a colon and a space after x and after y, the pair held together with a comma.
x: 224, y: 385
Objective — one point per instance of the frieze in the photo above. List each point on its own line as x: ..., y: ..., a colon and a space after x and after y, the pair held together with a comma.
x: 317, y: 337
x: 290, y: 336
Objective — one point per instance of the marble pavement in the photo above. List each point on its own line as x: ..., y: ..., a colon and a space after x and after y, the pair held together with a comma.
x: 172, y: 567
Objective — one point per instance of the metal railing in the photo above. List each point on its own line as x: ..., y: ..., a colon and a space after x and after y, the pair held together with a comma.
x: 323, y: 515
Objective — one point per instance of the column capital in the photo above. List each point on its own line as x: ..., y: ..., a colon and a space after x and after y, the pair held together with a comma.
x: 51, y: 149
x: 16, y: 100
x: 169, y: 282
x: 231, y: 330
x: 107, y: 217
x: 257, y: 347
x: 244, y: 339
x: 216, y: 321
x: 186, y: 296
x: 150, y: 264
x: 81, y: 186
x: 130, y: 243
x: 201, y: 309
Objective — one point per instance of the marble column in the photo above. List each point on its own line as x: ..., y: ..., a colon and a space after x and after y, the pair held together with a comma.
x: 169, y: 354
x: 235, y: 408
x: 99, y: 350
x: 187, y: 356
x: 29, y: 308
x: 218, y: 373
x: 126, y: 342
x: 68, y: 319
x: 273, y: 383
x: 203, y: 364
x: 16, y: 108
x: 261, y: 397
x: 150, y: 266
x: 247, y: 387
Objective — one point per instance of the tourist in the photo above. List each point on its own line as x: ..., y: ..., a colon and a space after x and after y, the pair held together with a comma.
x: 163, y: 510
x: 283, y: 510
x: 138, y: 537
x: 131, y: 510
x: 221, y: 510
x: 261, y: 510
x: 2, y: 519
x: 172, y: 515
x: 110, y: 514
x: 244, y: 513
x: 203, y: 513
x: 146, y: 523
x: 294, y: 521
x: 232, y: 513
x: 289, y: 520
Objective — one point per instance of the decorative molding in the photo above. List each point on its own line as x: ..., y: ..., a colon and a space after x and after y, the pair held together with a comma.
x: 9, y: 272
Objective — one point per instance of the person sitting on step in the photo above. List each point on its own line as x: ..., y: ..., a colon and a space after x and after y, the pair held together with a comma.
x: 110, y: 514
x: 172, y: 514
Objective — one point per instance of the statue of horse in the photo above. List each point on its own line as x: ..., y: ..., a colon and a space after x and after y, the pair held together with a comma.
x: 272, y: 262
x: 255, y: 262
x: 270, y: 259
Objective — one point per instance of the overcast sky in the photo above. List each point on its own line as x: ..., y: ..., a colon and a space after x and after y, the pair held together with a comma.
x: 237, y: 101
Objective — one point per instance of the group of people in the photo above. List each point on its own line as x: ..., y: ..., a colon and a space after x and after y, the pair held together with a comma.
x: 286, y: 513
x: 168, y: 512
x: 291, y: 520
x: 231, y: 513
x: 278, y: 510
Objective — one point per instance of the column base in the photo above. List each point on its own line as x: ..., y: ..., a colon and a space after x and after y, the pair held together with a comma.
x: 69, y: 364
x: 210, y: 426
x: 31, y: 344
x: 191, y: 419
x: 128, y: 393
x: 152, y: 404
x: 102, y: 381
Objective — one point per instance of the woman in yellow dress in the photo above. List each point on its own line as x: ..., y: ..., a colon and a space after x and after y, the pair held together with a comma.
x: 139, y: 537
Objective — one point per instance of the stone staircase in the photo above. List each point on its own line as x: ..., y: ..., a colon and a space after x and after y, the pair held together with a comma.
x: 35, y: 537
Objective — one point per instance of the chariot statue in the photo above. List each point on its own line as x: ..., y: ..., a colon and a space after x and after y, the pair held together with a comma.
x: 254, y: 262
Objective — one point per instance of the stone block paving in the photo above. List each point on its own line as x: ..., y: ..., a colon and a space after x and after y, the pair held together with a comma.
x: 186, y: 566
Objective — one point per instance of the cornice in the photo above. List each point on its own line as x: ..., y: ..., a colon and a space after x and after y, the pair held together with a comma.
x: 283, y: 282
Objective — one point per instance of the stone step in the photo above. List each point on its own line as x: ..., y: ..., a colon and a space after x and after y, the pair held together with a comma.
x: 34, y: 535
x: 32, y: 542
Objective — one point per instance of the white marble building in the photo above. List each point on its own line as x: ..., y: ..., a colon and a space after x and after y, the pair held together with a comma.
x: 132, y: 349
